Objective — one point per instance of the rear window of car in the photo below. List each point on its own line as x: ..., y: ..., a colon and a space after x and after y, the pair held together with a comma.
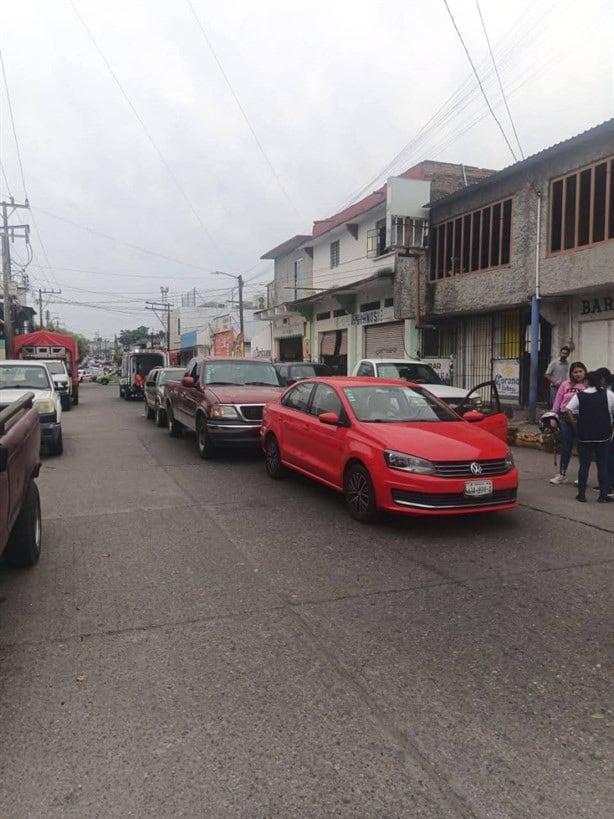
x: 391, y: 404
x: 170, y: 375
x: 56, y: 367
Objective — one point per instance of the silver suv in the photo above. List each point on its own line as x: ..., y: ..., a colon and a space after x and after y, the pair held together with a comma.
x: 154, y: 394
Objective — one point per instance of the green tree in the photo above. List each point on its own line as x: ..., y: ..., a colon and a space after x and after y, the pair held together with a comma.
x: 128, y: 338
x: 82, y: 342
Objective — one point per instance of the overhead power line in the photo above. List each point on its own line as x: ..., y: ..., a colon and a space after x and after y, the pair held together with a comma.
x: 242, y: 109
x: 12, y: 118
x: 477, y: 76
x: 144, y: 128
x: 494, y: 62
x: 120, y: 241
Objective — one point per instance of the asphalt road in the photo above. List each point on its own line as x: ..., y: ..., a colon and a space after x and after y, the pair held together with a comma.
x: 200, y: 641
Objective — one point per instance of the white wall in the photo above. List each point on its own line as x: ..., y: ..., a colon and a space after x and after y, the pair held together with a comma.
x: 354, y: 264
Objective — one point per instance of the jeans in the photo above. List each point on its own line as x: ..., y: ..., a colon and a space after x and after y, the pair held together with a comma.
x: 553, y: 392
x: 568, y: 435
x: 611, y: 463
x: 586, y: 451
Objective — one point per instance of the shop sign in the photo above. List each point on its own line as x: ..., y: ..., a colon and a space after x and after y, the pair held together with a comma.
x: 370, y: 317
x: 506, y: 375
x: 595, y: 307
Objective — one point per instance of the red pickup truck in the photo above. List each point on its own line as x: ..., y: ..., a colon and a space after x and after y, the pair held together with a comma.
x: 221, y: 400
x: 20, y: 512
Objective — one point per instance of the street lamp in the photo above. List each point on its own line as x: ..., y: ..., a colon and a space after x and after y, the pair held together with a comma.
x: 239, y: 279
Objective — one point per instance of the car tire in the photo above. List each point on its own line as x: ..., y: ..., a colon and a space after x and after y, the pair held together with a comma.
x: 24, y: 545
x: 272, y: 458
x: 121, y: 392
x: 160, y: 416
x: 174, y: 427
x: 66, y: 403
x: 206, y: 449
x: 359, y: 493
x: 149, y: 413
x: 57, y: 446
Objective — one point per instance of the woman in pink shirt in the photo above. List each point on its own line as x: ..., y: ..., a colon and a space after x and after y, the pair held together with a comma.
x: 572, y: 386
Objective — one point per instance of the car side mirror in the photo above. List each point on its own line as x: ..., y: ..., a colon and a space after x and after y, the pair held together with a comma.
x: 473, y: 415
x: 330, y: 418
x: 187, y: 381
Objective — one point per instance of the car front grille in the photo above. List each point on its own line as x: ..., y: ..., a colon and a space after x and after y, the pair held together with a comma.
x: 451, y: 500
x: 251, y: 412
x: 462, y: 469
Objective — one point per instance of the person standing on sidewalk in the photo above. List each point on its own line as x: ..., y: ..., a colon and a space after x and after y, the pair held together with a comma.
x: 590, y: 413
x: 608, y: 384
x: 570, y: 387
x: 556, y: 372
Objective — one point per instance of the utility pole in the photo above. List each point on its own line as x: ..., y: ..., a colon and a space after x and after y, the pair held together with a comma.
x: 42, y: 292
x: 155, y: 306
x: 8, y: 234
x: 241, y: 327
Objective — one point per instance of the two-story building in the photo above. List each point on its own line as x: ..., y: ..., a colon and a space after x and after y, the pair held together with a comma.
x: 342, y: 305
x: 543, y: 225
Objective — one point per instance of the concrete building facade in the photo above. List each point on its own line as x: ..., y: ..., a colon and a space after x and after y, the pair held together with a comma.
x: 547, y: 223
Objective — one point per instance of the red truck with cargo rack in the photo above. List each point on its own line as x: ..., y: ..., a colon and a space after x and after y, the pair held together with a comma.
x: 44, y: 344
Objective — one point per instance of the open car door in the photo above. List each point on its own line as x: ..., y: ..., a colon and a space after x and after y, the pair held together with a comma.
x: 494, y: 420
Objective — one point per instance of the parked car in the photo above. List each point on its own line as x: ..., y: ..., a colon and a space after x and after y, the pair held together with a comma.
x: 221, y: 399
x: 20, y: 510
x: 143, y: 362
x: 84, y: 375
x: 61, y: 381
x: 20, y: 377
x: 389, y: 446
x: 291, y: 371
x: 155, y: 392
x: 416, y: 371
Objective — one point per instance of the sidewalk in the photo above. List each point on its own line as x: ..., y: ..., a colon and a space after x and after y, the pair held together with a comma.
x: 536, y: 467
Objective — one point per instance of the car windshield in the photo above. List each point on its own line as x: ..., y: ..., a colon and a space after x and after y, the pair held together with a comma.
x: 170, y: 375
x: 55, y: 367
x: 241, y: 373
x: 404, y: 371
x: 394, y: 405
x: 13, y: 377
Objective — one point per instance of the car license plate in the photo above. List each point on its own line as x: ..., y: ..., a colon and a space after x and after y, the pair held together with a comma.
x: 478, y: 489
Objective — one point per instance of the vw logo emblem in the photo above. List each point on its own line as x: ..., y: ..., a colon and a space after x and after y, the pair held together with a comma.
x: 476, y: 468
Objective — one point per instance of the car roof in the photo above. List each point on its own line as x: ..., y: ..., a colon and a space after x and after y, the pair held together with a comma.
x: 213, y: 358
x: 395, y: 361
x: 18, y: 362
x: 359, y: 381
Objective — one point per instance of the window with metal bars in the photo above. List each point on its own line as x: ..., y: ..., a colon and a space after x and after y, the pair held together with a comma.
x: 582, y: 208
x: 480, y: 240
x: 335, y: 253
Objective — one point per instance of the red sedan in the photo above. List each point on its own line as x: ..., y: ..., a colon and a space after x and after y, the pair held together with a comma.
x: 389, y: 445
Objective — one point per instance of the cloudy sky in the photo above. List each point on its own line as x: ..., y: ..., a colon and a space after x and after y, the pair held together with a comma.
x: 163, y: 141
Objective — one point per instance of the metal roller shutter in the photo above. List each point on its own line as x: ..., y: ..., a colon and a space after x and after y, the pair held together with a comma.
x: 385, y: 340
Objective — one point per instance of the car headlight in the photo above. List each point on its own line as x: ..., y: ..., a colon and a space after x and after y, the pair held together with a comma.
x: 408, y: 463
x: 44, y: 406
x: 509, y: 461
x: 223, y: 411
